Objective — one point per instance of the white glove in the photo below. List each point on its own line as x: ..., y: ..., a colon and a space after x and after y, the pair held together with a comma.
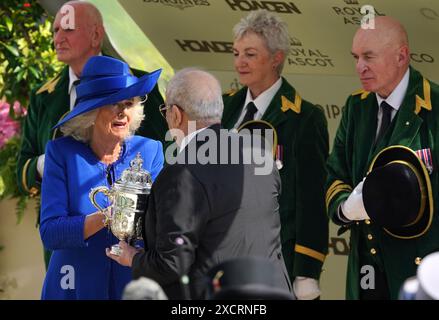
x: 353, y: 207
x: 306, y: 288
x: 40, y: 165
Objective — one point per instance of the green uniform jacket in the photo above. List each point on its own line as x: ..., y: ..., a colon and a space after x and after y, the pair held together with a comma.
x: 302, y: 132
x: 48, y: 104
x: 415, y: 126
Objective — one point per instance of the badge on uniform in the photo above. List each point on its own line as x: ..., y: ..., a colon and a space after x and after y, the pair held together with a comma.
x: 425, y: 156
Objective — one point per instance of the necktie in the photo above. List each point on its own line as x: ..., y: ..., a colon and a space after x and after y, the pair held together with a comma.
x: 386, y: 119
x: 73, y: 94
x: 250, y: 113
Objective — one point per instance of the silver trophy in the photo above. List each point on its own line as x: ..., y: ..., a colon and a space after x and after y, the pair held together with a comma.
x: 128, y: 198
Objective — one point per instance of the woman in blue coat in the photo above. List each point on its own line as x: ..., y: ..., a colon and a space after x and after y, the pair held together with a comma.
x: 97, y: 146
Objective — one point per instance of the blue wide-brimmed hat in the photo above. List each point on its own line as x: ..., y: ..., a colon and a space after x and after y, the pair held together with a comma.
x: 105, y: 81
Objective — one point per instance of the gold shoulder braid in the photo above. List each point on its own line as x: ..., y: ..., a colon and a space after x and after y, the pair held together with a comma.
x: 287, y: 104
x: 49, y: 86
x: 363, y: 93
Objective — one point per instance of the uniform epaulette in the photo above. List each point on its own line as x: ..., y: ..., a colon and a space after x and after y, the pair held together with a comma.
x: 363, y: 93
x: 49, y: 86
x: 231, y: 92
x: 426, y: 101
x: 287, y: 104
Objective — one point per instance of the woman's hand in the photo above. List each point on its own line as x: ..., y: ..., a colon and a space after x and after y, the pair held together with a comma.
x: 95, y: 222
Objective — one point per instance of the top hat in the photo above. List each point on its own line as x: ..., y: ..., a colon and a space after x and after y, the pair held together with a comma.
x: 261, y: 126
x: 397, y: 193
x: 247, y: 278
x: 105, y: 81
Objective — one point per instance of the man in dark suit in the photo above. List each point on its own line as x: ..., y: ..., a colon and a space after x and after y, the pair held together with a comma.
x: 203, y: 211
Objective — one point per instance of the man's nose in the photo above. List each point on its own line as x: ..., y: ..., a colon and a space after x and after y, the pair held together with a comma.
x: 58, y: 37
x: 361, y: 66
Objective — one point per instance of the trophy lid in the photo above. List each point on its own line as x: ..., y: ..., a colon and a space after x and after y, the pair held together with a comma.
x: 135, y: 178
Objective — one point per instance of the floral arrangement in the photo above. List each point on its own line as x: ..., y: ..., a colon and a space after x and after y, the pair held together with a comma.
x: 27, y: 60
x: 10, y: 125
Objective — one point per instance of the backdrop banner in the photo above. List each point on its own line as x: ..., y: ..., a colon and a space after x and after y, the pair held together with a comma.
x: 199, y: 32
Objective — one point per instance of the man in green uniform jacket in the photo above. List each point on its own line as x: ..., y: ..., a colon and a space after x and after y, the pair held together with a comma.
x: 53, y: 100
x: 379, y: 262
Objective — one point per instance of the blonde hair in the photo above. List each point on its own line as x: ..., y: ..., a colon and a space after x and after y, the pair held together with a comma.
x: 81, y: 127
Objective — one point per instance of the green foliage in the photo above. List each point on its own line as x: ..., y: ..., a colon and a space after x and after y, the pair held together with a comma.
x: 8, y: 178
x: 27, y: 56
x: 27, y: 59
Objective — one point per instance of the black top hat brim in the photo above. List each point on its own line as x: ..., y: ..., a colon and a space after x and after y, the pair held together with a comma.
x: 379, y: 190
x: 247, y: 278
x: 261, y: 125
x: 142, y: 87
x: 252, y: 292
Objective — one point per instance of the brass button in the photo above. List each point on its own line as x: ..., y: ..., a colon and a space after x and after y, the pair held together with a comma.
x: 369, y: 236
x: 418, y: 261
x: 373, y: 251
x: 33, y: 192
x: 367, y: 221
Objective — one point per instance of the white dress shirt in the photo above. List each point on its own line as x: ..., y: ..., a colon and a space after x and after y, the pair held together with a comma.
x: 72, y: 88
x: 261, y: 102
x: 394, y: 99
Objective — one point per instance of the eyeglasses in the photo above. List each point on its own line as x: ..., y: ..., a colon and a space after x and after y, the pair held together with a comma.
x: 163, y: 108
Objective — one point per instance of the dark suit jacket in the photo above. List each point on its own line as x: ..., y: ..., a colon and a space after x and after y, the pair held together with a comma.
x: 222, y: 211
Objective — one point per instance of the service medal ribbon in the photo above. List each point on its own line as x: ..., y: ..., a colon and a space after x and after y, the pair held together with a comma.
x: 425, y: 156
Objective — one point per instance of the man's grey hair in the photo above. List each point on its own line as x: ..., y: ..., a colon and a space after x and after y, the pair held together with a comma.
x: 81, y: 127
x: 271, y: 28
x: 198, y: 93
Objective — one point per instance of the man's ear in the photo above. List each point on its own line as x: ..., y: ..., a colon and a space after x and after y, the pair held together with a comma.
x: 403, y: 55
x: 97, y: 36
x: 177, y: 116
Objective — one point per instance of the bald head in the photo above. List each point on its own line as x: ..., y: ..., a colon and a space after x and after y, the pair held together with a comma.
x: 388, y: 31
x: 198, y: 94
x: 78, y: 33
x: 91, y: 14
x: 382, y: 55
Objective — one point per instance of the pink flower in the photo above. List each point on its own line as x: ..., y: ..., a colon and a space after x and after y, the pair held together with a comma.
x: 9, y: 127
x: 19, y: 109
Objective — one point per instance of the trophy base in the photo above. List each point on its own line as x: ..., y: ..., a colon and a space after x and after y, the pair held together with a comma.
x: 116, y: 250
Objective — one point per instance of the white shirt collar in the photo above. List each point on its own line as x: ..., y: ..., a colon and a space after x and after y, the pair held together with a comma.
x: 72, y: 78
x: 188, y: 138
x: 397, y: 96
x: 263, y: 100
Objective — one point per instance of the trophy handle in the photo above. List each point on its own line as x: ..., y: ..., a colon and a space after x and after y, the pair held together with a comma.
x: 95, y: 191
